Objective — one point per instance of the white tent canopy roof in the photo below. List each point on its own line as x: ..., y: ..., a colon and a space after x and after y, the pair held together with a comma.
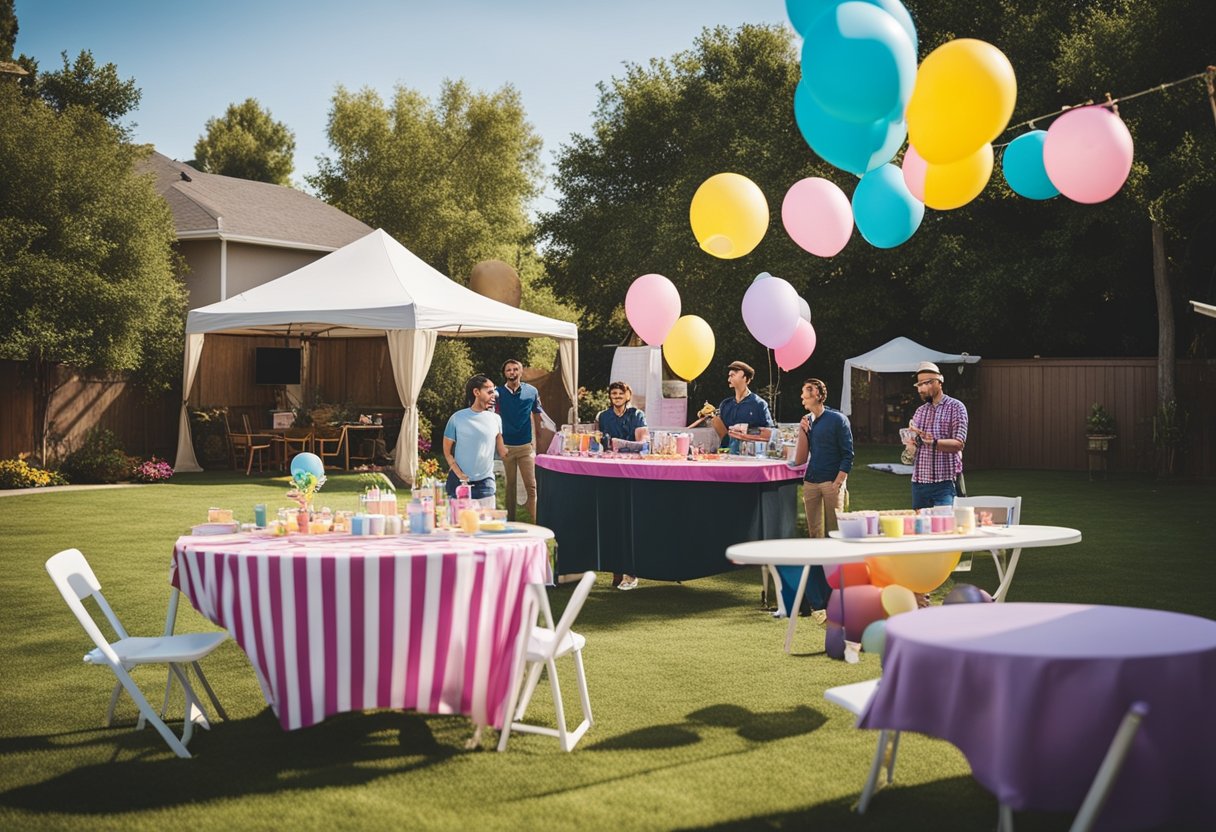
x: 899, y: 355
x: 368, y: 288
x: 1204, y: 308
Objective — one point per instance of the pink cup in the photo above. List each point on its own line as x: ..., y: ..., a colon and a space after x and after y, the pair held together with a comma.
x: 947, y: 524
x: 682, y: 444
x: 935, y: 523
x: 909, y: 524
x: 872, y: 523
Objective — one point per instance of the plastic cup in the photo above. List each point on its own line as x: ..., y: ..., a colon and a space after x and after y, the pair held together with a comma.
x: 375, y: 524
x: 892, y: 526
x: 936, y: 524
x: 852, y: 527
x: 871, y: 522
x: 909, y: 524
x: 964, y: 519
x: 682, y: 440
x: 259, y: 515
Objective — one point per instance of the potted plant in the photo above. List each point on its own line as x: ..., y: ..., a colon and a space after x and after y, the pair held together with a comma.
x: 1099, y: 429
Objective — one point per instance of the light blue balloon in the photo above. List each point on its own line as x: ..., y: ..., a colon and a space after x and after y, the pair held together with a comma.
x: 307, y: 462
x: 858, y: 63
x: 761, y: 276
x: 1022, y: 163
x: 885, y: 211
x: 874, y: 637
x: 802, y: 14
x: 852, y: 147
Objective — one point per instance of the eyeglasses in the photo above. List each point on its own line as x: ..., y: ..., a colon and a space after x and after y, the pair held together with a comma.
x: 925, y: 383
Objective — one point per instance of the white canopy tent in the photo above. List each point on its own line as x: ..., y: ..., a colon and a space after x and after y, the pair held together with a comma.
x: 899, y: 355
x: 373, y: 287
x: 1204, y: 308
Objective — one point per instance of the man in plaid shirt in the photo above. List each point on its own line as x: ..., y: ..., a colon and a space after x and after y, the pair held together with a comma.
x: 939, y: 432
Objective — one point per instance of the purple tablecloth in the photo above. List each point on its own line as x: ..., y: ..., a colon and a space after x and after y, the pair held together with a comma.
x: 735, y: 470
x: 1033, y: 693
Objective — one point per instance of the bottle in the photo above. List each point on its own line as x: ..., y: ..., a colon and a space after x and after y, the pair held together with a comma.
x: 464, y: 491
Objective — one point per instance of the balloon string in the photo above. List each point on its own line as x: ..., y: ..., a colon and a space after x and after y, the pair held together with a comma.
x: 1112, y: 102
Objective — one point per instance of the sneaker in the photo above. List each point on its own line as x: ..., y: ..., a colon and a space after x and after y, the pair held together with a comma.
x: 628, y: 582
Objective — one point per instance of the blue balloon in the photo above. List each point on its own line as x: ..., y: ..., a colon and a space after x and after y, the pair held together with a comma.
x: 858, y: 63
x: 885, y: 211
x: 856, y: 148
x: 1023, y: 167
x: 965, y: 594
x: 874, y: 637
x: 802, y: 14
x: 307, y: 462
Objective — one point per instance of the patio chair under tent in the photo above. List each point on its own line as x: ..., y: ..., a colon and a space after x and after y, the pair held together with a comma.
x: 373, y: 287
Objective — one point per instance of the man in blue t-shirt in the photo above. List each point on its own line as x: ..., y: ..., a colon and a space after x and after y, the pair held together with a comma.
x: 825, y: 436
x: 518, y: 404
x: 621, y: 421
x: 471, y: 438
x: 743, y: 408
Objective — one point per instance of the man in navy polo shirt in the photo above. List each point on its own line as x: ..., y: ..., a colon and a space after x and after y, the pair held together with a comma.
x: 622, y: 420
x: 743, y: 408
x: 519, y: 406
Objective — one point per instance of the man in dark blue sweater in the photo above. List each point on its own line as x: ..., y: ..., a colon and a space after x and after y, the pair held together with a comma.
x: 823, y: 434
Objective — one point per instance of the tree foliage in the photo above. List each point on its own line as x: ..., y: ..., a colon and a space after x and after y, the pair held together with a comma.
x: 1003, y: 276
x: 247, y: 143
x: 83, y: 83
x: 8, y: 30
x: 452, y: 180
x: 87, y: 274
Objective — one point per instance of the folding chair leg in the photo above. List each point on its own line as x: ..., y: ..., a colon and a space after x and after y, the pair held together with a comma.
x: 113, y: 703
x: 1004, y: 819
x: 219, y: 709
x: 148, y: 715
x: 583, y: 695
x: 555, y: 687
x: 1007, y: 580
x: 529, y: 689
x: 871, y: 784
x: 891, y: 759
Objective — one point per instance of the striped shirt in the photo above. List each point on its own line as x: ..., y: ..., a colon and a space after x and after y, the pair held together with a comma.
x: 945, y: 420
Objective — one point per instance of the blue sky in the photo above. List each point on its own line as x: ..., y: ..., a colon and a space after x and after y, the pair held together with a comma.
x: 191, y: 60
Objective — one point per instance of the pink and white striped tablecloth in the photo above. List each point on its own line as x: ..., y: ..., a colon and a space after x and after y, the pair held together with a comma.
x: 338, y: 623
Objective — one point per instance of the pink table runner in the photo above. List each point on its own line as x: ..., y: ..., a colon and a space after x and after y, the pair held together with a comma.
x: 337, y: 623
x: 735, y: 470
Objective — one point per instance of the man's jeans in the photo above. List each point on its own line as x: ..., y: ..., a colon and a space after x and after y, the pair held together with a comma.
x: 928, y: 494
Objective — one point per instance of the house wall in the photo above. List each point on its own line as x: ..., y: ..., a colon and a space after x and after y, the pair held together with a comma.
x: 248, y: 266
x: 203, y: 276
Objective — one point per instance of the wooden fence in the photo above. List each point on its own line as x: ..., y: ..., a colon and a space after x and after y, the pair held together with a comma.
x: 1024, y: 413
x: 1031, y: 413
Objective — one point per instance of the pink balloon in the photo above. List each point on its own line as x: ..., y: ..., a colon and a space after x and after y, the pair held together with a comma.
x: 915, y: 169
x: 862, y: 607
x: 652, y: 306
x: 1088, y: 154
x: 771, y: 311
x: 798, y: 349
x: 817, y: 216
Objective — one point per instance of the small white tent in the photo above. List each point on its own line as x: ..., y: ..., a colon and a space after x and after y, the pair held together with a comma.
x: 899, y: 355
x: 373, y: 287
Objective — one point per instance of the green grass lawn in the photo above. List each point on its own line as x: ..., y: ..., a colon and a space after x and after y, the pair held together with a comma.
x: 701, y: 720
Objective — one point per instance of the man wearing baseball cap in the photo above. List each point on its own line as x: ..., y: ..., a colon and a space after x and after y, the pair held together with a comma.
x: 743, y: 408
x: 935, y: 445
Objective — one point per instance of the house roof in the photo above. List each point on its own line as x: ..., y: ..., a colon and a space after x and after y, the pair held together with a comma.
x: 206, y: 206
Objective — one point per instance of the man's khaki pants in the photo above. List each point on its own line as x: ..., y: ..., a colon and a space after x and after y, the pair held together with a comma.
x: 519, y: 458
x: 821, y: 500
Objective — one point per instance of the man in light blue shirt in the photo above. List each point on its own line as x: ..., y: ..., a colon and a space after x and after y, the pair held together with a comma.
x: 471, y: 438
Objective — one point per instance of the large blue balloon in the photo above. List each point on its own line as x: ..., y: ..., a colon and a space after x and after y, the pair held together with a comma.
x: 802, y: 14
x: 1023, y: 167
x: 885, y: 211
x: 852, y: 147
x: 858, y: 63
x: 307, y: 462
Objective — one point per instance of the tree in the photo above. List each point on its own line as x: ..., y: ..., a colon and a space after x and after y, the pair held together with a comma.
x: 247, y: 143
x: 87, y: 271
x: 451, y: 179
x: 8, y: 30
x: 84, y: 84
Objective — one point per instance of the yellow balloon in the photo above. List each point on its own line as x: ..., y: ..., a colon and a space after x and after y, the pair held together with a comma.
x: 919, y: 573
x: 954, y: 184
x: 896, y: 599
x: 729, y: 215
x: 964, y: 95
x: 689, y: 347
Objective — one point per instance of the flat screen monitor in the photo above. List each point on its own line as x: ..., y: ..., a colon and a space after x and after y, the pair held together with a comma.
x: 276, y: 365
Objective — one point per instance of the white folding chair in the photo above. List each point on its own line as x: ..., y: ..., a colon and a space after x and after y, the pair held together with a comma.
x: 854, y: 698
x: 545, y: 646
x: 1104, y: 780
x: 1012, y: 506
x: 76, y: 582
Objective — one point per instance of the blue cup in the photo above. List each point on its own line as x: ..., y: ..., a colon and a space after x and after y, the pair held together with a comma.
x: 259, y: 515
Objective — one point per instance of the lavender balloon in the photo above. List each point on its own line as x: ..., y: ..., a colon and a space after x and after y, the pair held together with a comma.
x: 770, y: 311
